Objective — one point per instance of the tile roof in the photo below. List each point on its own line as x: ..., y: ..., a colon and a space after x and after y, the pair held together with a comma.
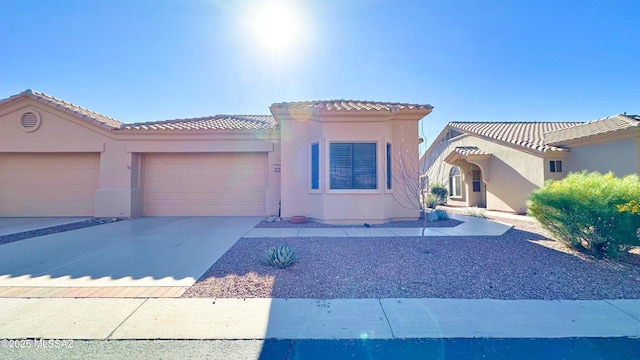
x: 469, y: 150
x: 597, y: 127
x: 72, y: 109
x: 526, y: 134
x: 217, y: 122
x: 354, y: 105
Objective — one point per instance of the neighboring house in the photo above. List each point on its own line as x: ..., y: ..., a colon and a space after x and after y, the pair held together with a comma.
x: 327, y: 160
x: 496, y: 165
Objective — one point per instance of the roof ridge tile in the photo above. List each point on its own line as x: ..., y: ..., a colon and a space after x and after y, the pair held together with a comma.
x: 67, y: 107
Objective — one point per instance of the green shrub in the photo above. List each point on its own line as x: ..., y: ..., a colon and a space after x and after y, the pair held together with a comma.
x: 440, y: 192
x: 430, y: 201
x: 280, y: 256
x: 590, y: 212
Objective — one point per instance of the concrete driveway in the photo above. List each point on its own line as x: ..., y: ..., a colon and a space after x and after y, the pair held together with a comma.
x: 139, y: 252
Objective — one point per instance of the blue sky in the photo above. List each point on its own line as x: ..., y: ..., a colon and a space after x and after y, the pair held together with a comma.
x: 141, y: 60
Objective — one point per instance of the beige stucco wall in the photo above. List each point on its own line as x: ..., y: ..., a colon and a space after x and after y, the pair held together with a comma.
x: 511, y: 174
x: 120, y: 193
x: 300, y: 130
x: 620, y: 155
x: 57, y: 133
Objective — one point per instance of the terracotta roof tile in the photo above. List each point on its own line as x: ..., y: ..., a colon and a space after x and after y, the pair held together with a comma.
x: 217, y: 122
x: 69, y: 108
x: 469, y: 150
x: 526, y: 134
x: 353, y: 105
x: 597, y: 127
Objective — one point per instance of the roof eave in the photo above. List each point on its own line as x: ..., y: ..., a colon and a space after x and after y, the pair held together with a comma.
x: 193, y: 131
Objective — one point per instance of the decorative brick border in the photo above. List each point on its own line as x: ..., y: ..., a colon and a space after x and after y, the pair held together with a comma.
x: 92, y: 292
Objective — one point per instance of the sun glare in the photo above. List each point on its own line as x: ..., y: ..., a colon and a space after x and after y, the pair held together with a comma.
x: 276, y: 26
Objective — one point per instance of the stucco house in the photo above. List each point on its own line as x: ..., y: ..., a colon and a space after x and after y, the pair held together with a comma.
x: 496, y: 165
x: 328, y: 160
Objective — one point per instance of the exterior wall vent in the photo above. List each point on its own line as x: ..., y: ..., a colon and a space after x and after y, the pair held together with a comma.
x: 30, y: 121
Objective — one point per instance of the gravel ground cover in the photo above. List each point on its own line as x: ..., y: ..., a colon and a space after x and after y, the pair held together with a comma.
x: 5, y: 239
x: 521, y: 264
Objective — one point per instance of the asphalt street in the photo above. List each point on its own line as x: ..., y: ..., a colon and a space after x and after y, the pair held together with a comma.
x: 563, y: 348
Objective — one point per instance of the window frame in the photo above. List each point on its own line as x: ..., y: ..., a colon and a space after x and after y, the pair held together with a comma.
x: 389, y: 167
x: 317, y: 168
x: 555, y: 166
x: 452, y: 178
x: 328, y: 176
x: 476, y: 183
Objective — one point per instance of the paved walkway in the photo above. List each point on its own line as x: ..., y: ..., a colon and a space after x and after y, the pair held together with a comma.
x: 471, y: 226
x: 315, y: 319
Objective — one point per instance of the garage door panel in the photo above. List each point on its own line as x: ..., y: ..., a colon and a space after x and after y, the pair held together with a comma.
x: 205, y: 184
x: 48, y: 184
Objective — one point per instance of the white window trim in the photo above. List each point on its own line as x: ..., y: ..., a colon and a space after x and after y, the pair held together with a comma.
x: 456, y: 196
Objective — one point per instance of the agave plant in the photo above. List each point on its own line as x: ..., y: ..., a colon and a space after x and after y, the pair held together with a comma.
x: 442, y: 215
x: 280, y: 256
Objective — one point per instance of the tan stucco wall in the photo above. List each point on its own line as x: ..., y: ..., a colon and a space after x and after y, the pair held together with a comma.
x: 511, y: 174
x: 342, y: 206
x: 120, y: 193
x: 622, y: 156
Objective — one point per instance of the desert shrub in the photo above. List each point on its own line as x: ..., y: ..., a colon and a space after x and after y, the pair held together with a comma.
x: 475, y: 211
x: 442, y: 215
x: 430, y: 201
x: 437, y: 215
x: 440, y: 192
x: 280, y: 256
x: 432, y: 216
x: 590, y: 212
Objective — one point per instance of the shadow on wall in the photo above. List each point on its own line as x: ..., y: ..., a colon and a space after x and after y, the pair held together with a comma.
x: 507, y: 189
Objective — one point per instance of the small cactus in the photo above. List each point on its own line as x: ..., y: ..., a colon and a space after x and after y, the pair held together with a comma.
x: 280, y: 256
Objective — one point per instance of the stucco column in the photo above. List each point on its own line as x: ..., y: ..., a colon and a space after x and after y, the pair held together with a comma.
x: 119, y: 193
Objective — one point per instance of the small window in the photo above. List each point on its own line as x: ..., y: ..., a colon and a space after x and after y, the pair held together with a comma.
x: 555, y: 166
x: 389, y: 166
x: 424, y: 181
x: 455, y: 185
x: 352, y: 166
x: 315, y: 166
x: 476, y: 180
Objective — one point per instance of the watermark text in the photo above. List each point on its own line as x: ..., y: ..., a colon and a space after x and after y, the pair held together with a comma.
x: 36, y: 344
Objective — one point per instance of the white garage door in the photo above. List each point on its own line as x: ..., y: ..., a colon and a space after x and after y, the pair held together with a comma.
x: 48, y: 184
x: 205, y: 184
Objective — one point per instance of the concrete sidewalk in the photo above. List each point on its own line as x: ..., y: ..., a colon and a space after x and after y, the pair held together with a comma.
x: 315, y: 319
